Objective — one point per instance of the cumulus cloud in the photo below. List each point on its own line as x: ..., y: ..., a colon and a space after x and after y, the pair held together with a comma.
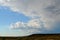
x: 35, y: 23
x: 31, y: 27
x: 17, y: 25
x: 46, y: 11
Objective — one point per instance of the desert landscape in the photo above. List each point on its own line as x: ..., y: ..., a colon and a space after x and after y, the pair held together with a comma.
x: 34, y: 37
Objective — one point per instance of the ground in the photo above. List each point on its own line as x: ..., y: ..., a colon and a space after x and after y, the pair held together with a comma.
x: 34, y: 37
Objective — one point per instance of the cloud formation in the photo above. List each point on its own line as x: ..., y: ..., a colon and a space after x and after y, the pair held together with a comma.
x: 31, y: 27
x: 30, y: 24
x: 46, y: 11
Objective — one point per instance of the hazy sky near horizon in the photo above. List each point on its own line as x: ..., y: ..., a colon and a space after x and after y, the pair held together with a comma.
x: 26, y: 17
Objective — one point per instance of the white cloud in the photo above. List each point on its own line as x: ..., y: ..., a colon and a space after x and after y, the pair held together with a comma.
x: 48, y: 11
x: 35, y: 23
x: 33, y: 8
x: 17, y: 25
x: 31, y: 27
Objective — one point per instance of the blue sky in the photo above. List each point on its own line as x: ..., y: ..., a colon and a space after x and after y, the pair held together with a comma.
x: 7, y: 17
x: 26, y: 17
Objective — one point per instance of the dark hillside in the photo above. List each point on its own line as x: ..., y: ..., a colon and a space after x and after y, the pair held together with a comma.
x: 34, y: 37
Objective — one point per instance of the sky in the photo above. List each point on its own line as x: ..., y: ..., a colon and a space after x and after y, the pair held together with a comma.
x: 26, y: 17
